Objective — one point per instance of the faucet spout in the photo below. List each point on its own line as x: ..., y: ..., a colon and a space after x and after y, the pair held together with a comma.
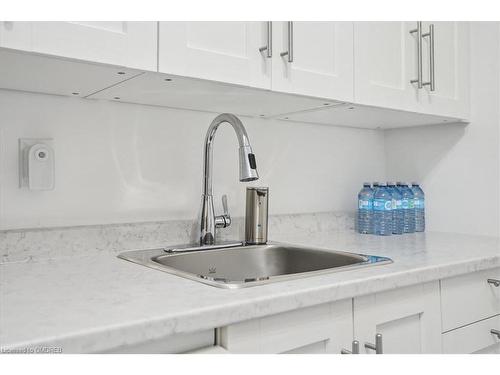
x: 247, y: 167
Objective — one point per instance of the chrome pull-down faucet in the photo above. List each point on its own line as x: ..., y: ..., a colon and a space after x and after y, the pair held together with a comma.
x: 248, y: 172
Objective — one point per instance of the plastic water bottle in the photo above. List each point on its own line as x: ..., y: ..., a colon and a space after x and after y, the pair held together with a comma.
x: 397, y: 209
x: 382, y: 211
x: 419, y: 199
x: 365, y: 209
x: 408, y: 205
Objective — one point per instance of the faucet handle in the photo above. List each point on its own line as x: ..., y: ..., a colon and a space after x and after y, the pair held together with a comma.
x: 224, y: 220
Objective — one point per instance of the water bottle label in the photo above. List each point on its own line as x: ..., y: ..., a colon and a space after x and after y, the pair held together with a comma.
x: 399, y: 204
x: 382, y: 205
x: 394, y: 204
x: 365, y: 205
x: 411, y: 203
x: 419, y: 203
x: 405, y: 204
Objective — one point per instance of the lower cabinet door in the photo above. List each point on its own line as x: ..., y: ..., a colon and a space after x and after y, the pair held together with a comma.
x: 409, y: 320
x: 325, y: 328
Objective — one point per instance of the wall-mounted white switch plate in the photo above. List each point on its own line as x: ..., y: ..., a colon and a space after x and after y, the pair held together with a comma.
x: 36, y: 163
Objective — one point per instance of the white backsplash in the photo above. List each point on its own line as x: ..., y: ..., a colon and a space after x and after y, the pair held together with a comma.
x: 123, y: 163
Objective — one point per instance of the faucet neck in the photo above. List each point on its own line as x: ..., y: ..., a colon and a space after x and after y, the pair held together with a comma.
x: 248, y: 172
x: 241, y: 134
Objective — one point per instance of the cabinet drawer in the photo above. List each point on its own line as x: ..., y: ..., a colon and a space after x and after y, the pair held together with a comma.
x: 468, y: 298
x: 473, y: 338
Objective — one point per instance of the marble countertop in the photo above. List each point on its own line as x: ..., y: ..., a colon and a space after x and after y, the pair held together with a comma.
x: 98, y: 302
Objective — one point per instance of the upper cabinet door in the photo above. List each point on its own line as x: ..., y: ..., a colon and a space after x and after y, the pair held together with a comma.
x: 219, y: 51
x: 451, y: 69
x: 384, y: 64
x: 130, y: 44
x: 386, y: 60
x: 318, y: 60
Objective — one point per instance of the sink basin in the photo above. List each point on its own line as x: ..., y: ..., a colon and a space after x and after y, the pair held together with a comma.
x: 244, y: 266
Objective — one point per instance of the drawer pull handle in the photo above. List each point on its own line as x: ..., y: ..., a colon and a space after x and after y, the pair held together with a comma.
x: 355, y: 348
x: 431, y: 83
x: 495, y: 332
x: 378, y: 344
x: 289, y: 51
x: 418, y: 30
x: 494, y: 282
x: 269, y: 46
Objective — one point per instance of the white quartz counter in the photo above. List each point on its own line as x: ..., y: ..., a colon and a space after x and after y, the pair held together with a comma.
x: 98, y: 302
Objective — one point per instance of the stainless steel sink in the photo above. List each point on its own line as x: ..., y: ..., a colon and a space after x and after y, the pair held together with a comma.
x: 244, y: 266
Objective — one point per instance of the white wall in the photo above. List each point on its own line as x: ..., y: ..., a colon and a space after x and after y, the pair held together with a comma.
x: 459, y: 166
x: 119, y: 162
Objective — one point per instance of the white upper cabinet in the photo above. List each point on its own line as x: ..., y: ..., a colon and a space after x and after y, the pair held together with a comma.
x: 383, y: 55
x: 319, y: 63
x: 318, y: 60
x: 375, y: 67
x: 387, y: 60
x: 130, y: 44
x: 451, y: 69
x: 219, y: 51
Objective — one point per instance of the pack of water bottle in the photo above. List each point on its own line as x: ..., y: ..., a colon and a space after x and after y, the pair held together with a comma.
x: 387, y: 209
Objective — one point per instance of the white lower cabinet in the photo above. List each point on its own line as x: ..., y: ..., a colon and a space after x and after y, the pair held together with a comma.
x: 325, y: 328
x: 409, y: 319
x: 474, y: 338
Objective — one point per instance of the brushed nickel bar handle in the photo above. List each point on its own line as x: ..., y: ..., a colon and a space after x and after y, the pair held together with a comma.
x: 418, y: 30
x: 289, y: 52
x: 269, y: 47
x: 432, y: 82
x: 355, y: 348
x: 290, y: 42
x: 378, y: 344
